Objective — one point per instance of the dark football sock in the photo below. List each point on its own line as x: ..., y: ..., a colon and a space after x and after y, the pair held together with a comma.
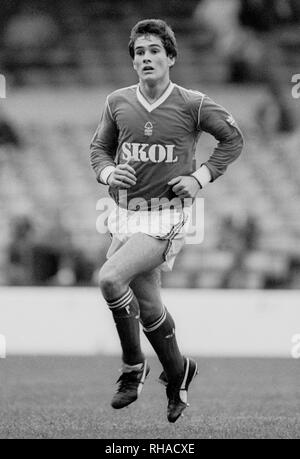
x: 126, y: 315
x: 161, y: 335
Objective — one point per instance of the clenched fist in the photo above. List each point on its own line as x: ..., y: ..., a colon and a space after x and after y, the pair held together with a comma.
x: 123, y: 176
x: 185, y: 186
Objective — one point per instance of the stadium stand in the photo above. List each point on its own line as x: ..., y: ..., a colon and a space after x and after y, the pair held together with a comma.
x: 254, y: 247
x: 87, y: 41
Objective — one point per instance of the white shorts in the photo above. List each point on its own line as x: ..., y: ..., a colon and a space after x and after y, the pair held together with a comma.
x: 166, y: 224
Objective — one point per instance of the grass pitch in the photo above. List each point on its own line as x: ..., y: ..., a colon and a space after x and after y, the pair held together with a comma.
x: 69, y: 397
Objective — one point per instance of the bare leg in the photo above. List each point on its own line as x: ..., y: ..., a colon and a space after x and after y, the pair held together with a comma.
x: 140, y: 254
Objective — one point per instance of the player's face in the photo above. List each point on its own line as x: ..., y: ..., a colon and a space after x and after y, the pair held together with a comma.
x: 150, y: 59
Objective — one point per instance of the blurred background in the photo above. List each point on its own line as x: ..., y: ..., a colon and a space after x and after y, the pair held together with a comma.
x: 61, y: 59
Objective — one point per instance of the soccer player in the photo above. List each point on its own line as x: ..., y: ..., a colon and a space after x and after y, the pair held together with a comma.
x: 143, y: 149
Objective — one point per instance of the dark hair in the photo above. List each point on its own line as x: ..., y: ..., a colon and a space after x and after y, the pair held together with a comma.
x: 154, y: 27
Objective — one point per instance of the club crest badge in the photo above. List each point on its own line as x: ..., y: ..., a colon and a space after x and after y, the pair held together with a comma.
x: 148, y: 129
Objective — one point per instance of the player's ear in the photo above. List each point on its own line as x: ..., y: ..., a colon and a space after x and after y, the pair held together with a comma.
x: 171, y: 60
x: 133, y: 63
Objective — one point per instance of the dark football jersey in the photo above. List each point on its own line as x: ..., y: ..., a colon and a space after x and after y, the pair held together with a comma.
x: 159, y: 140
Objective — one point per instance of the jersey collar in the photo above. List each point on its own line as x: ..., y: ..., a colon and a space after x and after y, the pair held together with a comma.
x: 150, y: 107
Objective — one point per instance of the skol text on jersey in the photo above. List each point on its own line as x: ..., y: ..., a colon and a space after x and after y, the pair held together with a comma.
x: 145, y: 152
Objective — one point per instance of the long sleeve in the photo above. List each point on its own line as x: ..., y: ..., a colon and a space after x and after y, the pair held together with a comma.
x: 215, y: 120
x: 104, y: 143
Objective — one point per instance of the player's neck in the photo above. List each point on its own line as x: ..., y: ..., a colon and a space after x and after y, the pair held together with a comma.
x: 155, y: 91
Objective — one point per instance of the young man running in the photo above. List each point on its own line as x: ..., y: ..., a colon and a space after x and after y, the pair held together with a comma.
x: 143, y: 150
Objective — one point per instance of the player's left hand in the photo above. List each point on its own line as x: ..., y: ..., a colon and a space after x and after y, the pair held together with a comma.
x: 185, y: 186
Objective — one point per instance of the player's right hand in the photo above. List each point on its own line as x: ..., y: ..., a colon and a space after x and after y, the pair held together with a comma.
x: 124, y: 176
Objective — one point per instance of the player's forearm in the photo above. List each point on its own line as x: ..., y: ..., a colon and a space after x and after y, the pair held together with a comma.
x: 100, y: 159
x: 104, y: 144
x: 217, y: 121
x: 224, y: 154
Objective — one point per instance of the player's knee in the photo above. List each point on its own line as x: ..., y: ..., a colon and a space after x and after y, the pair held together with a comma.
x: 110, y: 281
